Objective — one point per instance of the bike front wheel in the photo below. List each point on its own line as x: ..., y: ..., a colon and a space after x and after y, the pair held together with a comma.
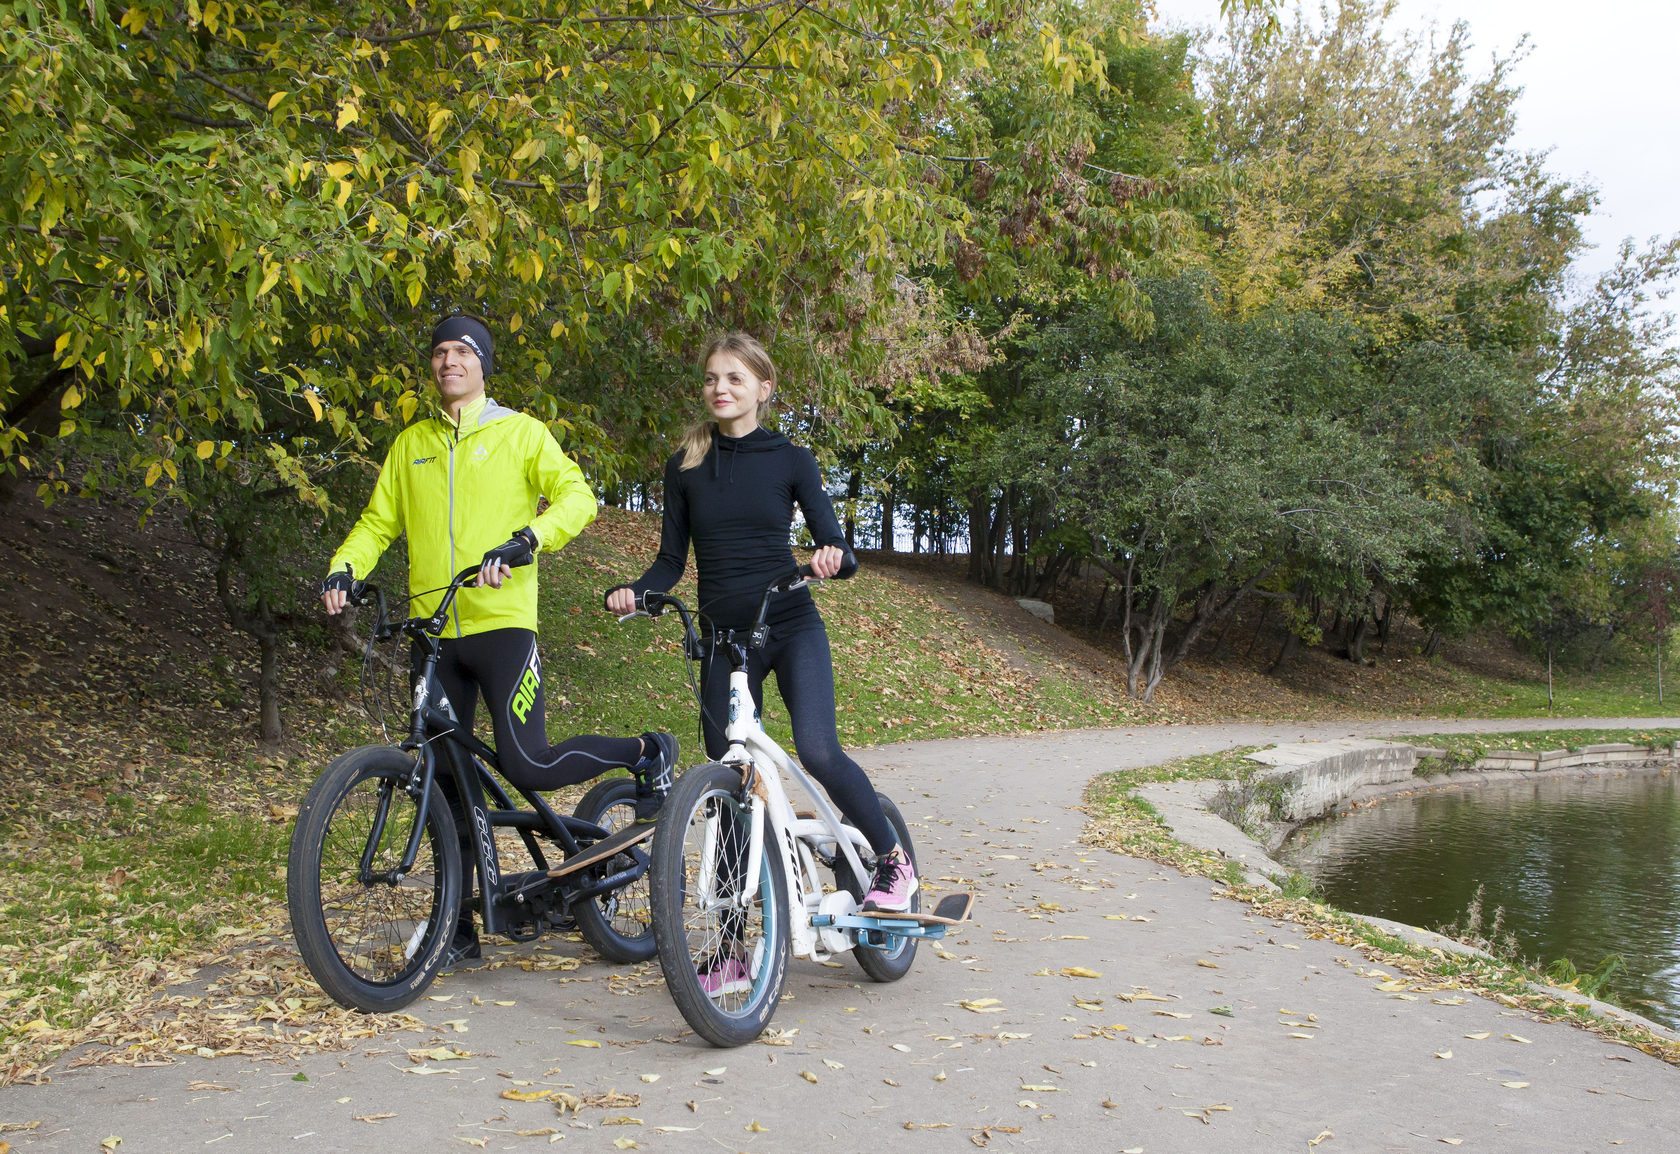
x: 372, y: 939
x: 723, y: 948
x: 617, y: 925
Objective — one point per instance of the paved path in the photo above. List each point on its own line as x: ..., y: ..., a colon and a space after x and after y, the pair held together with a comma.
x: 1050, y: 1070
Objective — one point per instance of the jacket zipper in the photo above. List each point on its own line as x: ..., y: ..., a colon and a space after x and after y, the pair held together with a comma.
x: 454, y: 440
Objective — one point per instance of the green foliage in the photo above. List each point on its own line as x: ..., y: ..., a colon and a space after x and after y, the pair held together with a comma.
x: 231, y: 209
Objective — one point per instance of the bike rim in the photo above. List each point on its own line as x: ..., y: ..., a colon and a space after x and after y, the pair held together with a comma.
x: 379, y: 930
x: 718, y: 927
x: 628, y: 910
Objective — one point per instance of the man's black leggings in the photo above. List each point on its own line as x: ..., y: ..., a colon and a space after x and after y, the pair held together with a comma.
x: 503, y: 664
x: 804, y: 669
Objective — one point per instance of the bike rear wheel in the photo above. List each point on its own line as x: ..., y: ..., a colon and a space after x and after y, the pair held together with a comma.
x: 892, y: 958
x: 617, y: 925
x: 372, y: 940
x: 724, y: 951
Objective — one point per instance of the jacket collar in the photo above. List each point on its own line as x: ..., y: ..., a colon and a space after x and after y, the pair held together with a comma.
x: 471, y: 415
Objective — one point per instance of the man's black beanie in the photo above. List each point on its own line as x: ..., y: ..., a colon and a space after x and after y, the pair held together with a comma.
x: 468, y: 331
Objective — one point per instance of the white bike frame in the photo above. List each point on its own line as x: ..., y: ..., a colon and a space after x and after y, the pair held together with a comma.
x: 797, y: 839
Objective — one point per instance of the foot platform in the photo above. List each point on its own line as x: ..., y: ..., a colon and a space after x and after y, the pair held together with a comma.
x: 953, y: 909
x: 602, y: 850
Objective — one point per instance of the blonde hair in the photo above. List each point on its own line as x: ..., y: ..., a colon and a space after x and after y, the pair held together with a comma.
x: 697, y: 441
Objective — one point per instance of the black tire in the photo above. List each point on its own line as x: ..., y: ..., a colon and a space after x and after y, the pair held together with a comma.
x: 617, y: 925
x: 892, y: 959
x: 706, y: 820
x: 372, y: 945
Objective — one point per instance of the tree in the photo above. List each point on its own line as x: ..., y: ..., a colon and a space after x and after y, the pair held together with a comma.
x: 1195, y: 467
x: 1374, y: 177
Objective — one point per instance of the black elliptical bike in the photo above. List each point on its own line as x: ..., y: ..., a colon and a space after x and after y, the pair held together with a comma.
x: 375, y: 880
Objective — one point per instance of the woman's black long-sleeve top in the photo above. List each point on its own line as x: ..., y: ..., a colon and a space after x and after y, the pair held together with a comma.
x: 737, y: 508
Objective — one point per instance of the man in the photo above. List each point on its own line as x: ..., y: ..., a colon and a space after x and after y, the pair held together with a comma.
x: 464, y: 484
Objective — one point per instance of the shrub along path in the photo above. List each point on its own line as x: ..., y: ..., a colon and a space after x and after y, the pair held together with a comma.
x: 1097, y: 1001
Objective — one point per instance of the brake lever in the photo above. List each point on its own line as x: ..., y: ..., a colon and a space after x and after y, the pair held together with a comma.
x: 636, y: 613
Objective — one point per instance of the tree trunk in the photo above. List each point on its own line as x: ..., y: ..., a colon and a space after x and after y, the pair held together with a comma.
x: 1356, y: 634
x: 1265, y: 609
x: 1291, y: 642
x: 1209, y: 609
x: 1160, y: 614
x: 268, y: 683
x: 887, y: 518
x: 1432, y: 646
x: 979, y: 541
x: 854, y: 490
x: 1385, y: 624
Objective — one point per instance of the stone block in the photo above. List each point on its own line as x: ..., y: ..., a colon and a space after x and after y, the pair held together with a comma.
x: 1043, y: 610
x: 1509, y: 759
x: 1563, y: 759
x: 1315, y: 777
x: 1621, y: 754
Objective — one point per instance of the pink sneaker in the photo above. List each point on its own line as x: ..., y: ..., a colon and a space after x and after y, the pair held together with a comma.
x: 725, y: 974
x: 895, y: 883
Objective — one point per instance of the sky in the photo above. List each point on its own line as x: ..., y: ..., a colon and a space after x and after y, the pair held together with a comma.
x: 1600, y: 95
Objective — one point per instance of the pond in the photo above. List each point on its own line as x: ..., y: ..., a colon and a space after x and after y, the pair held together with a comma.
x: 1581, y: 867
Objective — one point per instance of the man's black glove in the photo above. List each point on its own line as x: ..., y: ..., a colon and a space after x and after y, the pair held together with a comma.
x: 519, y: 550
x: 343, y: 581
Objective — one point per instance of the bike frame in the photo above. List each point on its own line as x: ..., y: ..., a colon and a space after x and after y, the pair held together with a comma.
x: 433, y: 726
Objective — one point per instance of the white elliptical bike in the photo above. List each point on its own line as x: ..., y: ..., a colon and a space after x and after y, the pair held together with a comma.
x: 738, y: 876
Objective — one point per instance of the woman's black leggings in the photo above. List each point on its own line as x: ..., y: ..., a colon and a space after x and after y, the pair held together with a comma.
x: 804, y: 669
x: 503, y: 665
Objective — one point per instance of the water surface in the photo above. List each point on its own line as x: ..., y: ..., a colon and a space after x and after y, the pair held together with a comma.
x: 1582, y: 867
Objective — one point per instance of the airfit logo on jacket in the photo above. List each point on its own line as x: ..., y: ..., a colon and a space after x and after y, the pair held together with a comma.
x: 526, y: 695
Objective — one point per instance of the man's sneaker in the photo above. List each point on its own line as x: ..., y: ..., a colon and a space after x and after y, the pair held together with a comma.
x: 725, y: 974
x: 654, y: 775
x: 463, y: 953
x: 895, y: 883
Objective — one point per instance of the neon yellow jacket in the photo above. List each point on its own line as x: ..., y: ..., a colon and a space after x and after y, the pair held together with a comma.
x: 458, y: 491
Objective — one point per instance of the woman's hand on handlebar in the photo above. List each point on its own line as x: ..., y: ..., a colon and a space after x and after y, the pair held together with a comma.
x: 621, y: 601
x: 825, y: 562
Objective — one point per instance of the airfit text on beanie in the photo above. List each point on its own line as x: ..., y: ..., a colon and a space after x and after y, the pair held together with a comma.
x: 469, y: 332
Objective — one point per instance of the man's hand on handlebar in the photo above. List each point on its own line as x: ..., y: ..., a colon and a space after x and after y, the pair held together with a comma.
x: 336, y: 590
x: 500, y: 562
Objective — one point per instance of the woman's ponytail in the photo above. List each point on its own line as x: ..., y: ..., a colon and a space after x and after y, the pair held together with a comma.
x: 696, y: 443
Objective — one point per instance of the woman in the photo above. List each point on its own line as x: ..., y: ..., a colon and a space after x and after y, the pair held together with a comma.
x: 731, y: 490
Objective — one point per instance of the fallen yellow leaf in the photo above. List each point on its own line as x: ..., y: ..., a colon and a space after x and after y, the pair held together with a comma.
x: 1203, y: 962
x: 1323, y: 1135
x: 808, y: 1076
x: 1515, y: 1085
x: 112, y: 1142
x: 526, y: 1095
x: 590, y: 1042
x: 1444, y: 1054
x: 1480, y: 1036
x: 983, y: 1006
x: 1079, y: 972
x: 754, y: 1128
